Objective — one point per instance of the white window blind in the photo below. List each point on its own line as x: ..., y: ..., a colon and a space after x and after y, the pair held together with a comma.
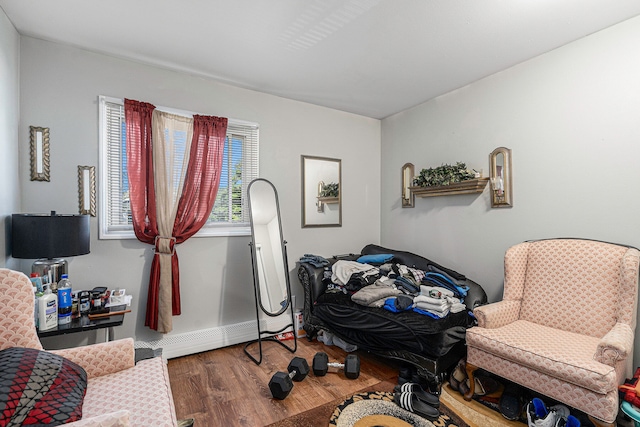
x: 230, y: 214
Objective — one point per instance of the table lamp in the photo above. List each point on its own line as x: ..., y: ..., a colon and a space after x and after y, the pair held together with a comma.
x: 49, y: 238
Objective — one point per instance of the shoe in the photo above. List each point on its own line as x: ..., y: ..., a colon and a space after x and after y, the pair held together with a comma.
x: 539, y: 416
x: 420, y: 393
x: 458, y: 376
x: 569, y: 421
x: 511, y: 402
x: 561, y: 410
x: 410, y: 402
x: 484, y: 386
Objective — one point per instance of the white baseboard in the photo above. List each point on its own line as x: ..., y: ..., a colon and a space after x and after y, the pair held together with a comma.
x: 212, y: 338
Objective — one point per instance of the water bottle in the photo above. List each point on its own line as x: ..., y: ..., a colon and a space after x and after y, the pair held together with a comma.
x: 64, y: 300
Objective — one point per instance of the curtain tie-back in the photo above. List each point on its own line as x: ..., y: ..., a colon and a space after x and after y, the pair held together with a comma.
x: 165, y: 245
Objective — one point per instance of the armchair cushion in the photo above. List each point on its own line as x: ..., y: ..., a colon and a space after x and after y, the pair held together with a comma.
x: 38, y: 387
x: 144, y: 391
x: 112, y: 419
x: 560, y: 354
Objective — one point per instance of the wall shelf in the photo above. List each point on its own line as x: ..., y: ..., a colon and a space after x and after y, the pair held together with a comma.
x: 329, y: 200
x: 471, y: 186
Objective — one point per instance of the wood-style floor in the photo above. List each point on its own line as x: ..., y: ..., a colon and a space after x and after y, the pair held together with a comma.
x: 224, y: 387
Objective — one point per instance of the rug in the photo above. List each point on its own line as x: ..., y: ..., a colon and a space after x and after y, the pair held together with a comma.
x: 371, y: 409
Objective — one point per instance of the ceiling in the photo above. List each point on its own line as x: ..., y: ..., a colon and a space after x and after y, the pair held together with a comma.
x: 369, y: 57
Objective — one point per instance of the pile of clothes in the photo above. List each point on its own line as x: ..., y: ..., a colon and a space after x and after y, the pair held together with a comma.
x: 375, y: 281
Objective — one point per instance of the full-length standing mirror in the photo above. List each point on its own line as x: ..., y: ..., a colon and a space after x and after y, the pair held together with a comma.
x: 321, y: 192
x: 269, y: 263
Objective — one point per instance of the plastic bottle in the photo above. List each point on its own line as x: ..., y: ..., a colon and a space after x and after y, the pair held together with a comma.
x: 65, y: 300
x: 48, y: 310
x: 36, y: 281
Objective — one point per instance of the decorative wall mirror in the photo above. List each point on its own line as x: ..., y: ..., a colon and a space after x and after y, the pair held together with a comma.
x: 269, y: 262
x: 408, y: 172
x: 500, y: 170
x: 87, y: 190
x: 39, y: 151
x: 321, y: 192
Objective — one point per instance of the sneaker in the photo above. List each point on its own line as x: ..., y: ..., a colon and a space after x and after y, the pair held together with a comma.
x: 569, y: 421
x: 539, y: 416
x: 561, y: 410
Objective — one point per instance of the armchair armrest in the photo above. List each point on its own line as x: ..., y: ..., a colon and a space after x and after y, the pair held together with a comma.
x: 497, y: 314
x: 102, y: 359
x: 616, y: 345
x: 113, y: 419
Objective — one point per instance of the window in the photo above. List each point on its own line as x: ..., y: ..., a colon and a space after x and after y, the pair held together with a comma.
x: 230, y: 213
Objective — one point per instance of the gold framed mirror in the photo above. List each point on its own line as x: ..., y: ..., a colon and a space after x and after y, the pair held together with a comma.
x: 500, y: 178
x: 407, y: 197
x: 39, y: 152
x: 87, y: 190
x: 321, y: 192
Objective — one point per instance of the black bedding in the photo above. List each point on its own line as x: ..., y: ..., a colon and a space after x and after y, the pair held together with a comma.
x: 430, y: 344
x: 376, y: 329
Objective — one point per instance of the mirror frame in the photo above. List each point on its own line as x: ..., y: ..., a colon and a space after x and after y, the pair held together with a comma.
x: 39, y: 152
x: 87, y: 190
x: 504, y: 200
x: 320, y: 201
x: 270, y: 335
x: 407, y: 175
x: 254, y: 254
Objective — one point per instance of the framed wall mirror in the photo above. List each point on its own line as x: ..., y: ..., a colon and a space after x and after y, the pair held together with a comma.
x: 407, y: 175
x: 321, y: 192
x: 39, y: 152
x: 500, y: 178
x: 87, y: 190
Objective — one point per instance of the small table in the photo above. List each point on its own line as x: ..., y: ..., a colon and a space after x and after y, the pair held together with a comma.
x: 83, y: 323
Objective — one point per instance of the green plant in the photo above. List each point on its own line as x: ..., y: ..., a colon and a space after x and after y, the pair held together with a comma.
x: 443, y: 175
x: 329, y: 190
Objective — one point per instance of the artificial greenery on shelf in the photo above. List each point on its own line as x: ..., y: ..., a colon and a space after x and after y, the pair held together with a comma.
x: 443, y: 175
x: 329, y: 190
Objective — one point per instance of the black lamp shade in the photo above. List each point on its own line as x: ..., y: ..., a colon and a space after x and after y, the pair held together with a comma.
x: 49, y: 236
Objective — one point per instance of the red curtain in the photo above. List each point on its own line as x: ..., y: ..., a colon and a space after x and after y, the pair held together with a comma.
x: 198, y: 194
x: 142, y: 194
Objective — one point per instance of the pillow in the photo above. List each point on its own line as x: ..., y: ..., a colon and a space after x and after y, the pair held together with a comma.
x: 38, y: 387
x: 375, y: 259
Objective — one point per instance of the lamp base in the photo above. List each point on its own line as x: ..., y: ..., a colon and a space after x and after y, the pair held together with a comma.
x: 51, y: 268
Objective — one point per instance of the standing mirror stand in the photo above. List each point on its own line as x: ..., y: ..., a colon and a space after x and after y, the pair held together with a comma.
x: 268, y: 335
x: 272, y: 288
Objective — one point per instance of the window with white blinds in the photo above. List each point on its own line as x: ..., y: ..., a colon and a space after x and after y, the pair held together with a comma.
x: 230, y: 213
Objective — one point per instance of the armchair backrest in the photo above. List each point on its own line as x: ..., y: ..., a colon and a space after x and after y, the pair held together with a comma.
x: 17, y: 328
x: 580, y: 286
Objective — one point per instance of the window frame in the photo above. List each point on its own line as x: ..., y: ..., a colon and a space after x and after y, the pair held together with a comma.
x: 107, y: 232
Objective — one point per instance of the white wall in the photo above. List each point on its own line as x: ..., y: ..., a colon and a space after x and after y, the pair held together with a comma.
x: 9, y: 116
x: 60, y: 88
x: 572, y: 119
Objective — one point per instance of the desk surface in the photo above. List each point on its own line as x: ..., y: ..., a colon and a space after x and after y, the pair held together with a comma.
x: 83, y: 323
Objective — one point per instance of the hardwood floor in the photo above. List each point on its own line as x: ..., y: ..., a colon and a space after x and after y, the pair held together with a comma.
x: 224, y: 387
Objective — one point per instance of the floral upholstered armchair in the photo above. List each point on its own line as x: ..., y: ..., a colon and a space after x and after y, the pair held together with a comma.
x: 565, y: 327
x: 119, y: 392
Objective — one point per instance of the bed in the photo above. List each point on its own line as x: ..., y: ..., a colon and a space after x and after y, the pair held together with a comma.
x: 431, y: 344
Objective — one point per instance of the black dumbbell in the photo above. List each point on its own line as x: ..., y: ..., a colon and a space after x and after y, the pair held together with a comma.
x: 281, y: 382
x: 351, y: 365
